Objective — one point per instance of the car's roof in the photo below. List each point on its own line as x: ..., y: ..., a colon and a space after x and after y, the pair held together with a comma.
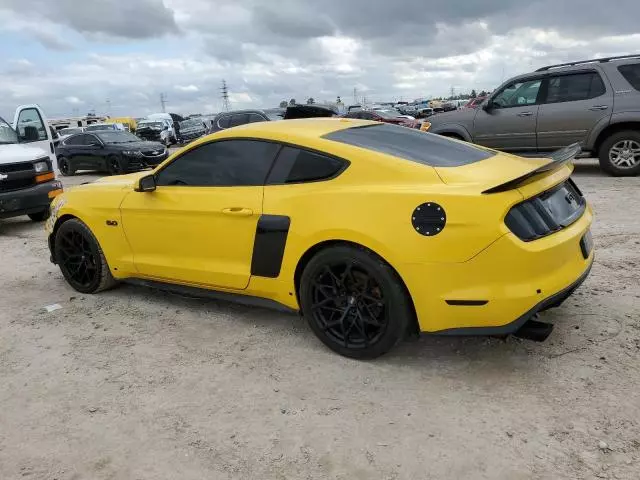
x: 306, y: 127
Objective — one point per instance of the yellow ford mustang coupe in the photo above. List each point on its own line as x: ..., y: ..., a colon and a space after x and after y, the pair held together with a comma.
x: 370, y: 230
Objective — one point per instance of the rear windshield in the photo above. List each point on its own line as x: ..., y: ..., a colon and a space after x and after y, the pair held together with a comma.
x: 632, y: 74
x: 411, y: 144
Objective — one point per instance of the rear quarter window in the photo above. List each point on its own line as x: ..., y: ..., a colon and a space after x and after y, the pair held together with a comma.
x: 410, y: 144
x: 631, y: 73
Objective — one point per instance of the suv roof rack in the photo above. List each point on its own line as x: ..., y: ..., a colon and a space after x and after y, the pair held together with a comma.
x: 595, y: 60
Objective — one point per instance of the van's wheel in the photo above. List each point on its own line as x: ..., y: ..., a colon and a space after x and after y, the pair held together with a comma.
x: 39, y: 216
x: 81, y: 259
x: 114, y: 165
x: 354, y: 302
x: 620, y: 154
x: 65, y: 167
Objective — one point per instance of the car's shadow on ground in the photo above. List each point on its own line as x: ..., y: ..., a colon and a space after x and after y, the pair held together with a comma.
x: 588, y: 168
x: 16, y: 226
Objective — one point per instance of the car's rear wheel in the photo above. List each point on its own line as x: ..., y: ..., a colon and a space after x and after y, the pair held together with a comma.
x: 65, y: 166
x: 354, y: 302
x: 81, y: 259
x: 620, y: 154
x: 114, y: 165
x: 39, y: 216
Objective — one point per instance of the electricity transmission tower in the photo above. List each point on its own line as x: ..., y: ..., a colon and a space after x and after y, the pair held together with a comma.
x: 225, y: 96
x: 163, y: 102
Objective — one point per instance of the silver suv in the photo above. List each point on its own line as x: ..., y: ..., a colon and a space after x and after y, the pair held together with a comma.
x: 593, y: 102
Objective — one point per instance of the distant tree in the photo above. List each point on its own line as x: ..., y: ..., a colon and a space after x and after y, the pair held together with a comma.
x: 310, y: 101
x: 292, y: 101
x: 483, y: 93
x: 473, y: 94
x: 338, y: 100
x: 283, y: 104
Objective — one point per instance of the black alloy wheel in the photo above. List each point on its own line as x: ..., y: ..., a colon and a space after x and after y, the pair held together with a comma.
x: 114, y: 165
x: 64, y: 166
x: 80, y: 258
x: 354, y: 302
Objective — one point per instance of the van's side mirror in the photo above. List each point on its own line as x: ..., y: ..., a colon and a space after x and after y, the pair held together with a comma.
x: 146, y: 184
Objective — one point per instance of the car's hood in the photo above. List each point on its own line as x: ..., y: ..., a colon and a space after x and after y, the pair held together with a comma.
x: 17, y: 152
x: 466, y: 114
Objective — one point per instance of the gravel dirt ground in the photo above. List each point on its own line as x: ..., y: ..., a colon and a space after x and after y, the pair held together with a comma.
x: 138, y: 384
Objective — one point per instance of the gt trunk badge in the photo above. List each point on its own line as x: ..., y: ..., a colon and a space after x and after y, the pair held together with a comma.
x: 112, y: 223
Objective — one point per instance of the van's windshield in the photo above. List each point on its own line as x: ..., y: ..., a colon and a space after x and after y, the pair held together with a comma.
x: 7, y: 134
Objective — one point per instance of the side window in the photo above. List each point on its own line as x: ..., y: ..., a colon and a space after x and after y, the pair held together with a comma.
x: 254, y: 117
x: 295, y: 166
x: 571, y: 88
x: 91, y: 140
x: 75, y: 140
x: 239, y: 119
x: 631, y: 74
x: 226, y: 163
x: 518, y: 94
x: 223, y: 122
x: 30, y: 126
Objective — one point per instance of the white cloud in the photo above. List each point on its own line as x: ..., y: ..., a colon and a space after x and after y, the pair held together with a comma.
x: 73, y: 100
x: 187, y: 88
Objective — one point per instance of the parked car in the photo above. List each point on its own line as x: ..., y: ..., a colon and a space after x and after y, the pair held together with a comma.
x: 424, y: 112
x: 241, y: 117
x: 27, y: 165
x: 112, y: 151
x: 410, y: 234
x: 129, y: 123
x: 98, y: 127
x: 156, y: 131
x: 383, y: 116
x: 593, y: 102
x: 192, y: 129
x: 67, y: 132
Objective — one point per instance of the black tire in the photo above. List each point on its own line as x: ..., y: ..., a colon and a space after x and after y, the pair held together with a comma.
x: 618, y: 161
x: 39, y: 216
x: 354, y: 302
x: 64, y: 165
x: 81, y: 259
x: 114, y: 165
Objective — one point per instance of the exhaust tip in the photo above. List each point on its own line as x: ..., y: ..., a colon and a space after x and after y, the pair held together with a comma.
x: 535, y: 330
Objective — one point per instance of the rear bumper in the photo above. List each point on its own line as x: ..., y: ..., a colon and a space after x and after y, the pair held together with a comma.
x: 27, y: 200
x: 499, y: 289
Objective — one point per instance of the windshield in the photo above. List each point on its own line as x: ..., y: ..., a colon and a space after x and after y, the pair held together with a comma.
x: 7, y: 134
x: 69, y: 131
x: 274, y: 114
x: 150, y: 125
x: 118, y: 137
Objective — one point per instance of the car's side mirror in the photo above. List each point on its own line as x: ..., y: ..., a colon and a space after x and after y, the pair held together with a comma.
x: 146, y: 184
x: 487, y: 106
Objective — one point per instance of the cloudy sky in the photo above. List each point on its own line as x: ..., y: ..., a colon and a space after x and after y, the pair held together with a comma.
x: 117, y: 56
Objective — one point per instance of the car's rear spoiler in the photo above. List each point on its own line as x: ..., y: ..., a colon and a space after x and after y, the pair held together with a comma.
x: 558, y: 159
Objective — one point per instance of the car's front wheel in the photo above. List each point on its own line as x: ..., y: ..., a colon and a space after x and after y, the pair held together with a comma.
x: 81, y: 259
x: 354, y: 302
x: 620, y: 154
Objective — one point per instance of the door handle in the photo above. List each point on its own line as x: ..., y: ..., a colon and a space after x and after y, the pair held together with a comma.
x: 238, y: 211
x: 525, y: 114
x: 599, y: 107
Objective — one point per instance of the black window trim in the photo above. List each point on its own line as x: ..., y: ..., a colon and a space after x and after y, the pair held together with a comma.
x: 94, y: 136
x: 346, y: 163
x: 567, y: 73
x: 70, y: 137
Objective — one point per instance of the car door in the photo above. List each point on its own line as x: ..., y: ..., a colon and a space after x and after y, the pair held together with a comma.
x: 575, y: 102
x: 198, y: 227
x: 93, y: 154
x: 72, y: 149
x: 508, y: 122
x: 32, y: 116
